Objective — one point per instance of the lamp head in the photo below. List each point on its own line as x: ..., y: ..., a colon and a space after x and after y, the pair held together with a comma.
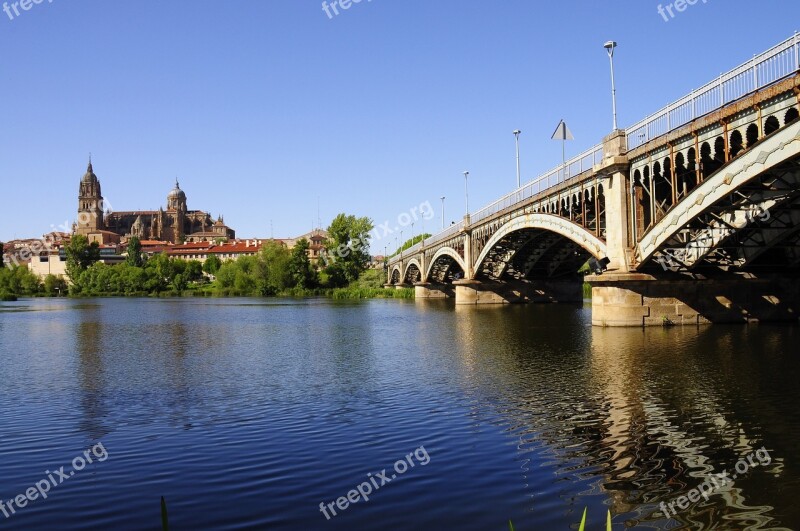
x: 517, y: 132
x: 609, y: 46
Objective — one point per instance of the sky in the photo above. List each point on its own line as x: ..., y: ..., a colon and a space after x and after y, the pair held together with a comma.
x: 280, y: 116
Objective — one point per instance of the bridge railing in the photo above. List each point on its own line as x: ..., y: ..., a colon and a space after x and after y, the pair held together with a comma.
x: 584, y: 161
x: 762, y: 70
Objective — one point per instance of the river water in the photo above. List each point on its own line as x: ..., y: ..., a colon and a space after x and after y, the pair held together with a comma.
x: 249, y: 414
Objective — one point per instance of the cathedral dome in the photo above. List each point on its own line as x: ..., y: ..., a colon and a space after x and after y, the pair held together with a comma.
x: 89, y: 177
x: 176, y: 192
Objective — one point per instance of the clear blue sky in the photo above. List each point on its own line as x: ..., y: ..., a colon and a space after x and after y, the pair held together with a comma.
x: 261, y: 107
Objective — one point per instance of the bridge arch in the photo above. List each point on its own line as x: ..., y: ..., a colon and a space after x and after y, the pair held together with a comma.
x: 549, y: 224
x: 396, y: 275
x: 412, y: 272
x: 441, y: 263
x: 780, y: 147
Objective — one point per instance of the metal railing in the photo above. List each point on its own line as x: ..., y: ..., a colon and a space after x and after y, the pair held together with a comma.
x: 762, y: 70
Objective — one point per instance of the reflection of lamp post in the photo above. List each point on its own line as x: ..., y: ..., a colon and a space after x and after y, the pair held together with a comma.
x: 466, y: 192
x: 516, y: 136
x: 442, y: 212
x: 609, y: 46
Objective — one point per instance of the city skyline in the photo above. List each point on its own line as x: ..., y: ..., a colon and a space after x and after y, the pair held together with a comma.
x: 280, y: 116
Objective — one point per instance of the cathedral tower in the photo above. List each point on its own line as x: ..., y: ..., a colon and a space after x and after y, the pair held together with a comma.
x: 176, y: 202
x: 90, y: 204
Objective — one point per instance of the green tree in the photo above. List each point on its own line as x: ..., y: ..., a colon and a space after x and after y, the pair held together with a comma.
x: 193, y: 271
x: 212, y: 264
x: 347, y: 251
x: 161, y: 271
x: 302, y: 273
x: 273, y: 269
x: 54, y: 286
x: 134, y: 252
x: 412, y: 241
x: 80, y: 255
x: 179, y: 283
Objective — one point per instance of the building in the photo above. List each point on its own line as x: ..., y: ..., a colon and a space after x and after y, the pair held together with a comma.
x: 317, y: 239
x: 175, y: 224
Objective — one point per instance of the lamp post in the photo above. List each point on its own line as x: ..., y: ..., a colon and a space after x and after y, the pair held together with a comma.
x: 466, y: 192
x: 442, y: 198
x: 610, y: 46
x: 516, y: 137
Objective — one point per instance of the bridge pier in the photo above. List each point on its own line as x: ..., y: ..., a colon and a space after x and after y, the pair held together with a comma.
x: 427, y: 290
x: 636, y: 299
x: 476, y: 292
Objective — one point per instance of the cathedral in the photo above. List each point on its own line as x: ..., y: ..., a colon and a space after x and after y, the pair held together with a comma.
x: 176, y: 224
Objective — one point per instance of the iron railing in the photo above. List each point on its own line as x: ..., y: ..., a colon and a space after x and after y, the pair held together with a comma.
x: 762, y: 70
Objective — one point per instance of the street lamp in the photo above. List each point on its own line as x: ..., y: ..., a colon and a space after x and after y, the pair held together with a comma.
x: 442, y: 198
x: 609, y: 46
x: 516, y: 136
x: 466, y: 192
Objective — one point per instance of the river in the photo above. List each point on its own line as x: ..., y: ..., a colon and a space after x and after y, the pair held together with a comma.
x: 268, y: 414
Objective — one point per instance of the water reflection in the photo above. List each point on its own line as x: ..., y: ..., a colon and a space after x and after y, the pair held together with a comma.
x: 89, y: 342
x: 249, y: 413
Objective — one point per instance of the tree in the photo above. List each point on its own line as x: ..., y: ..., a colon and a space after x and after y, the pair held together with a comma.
x: 301, y: 272
x: 134, y: 252
x: 161, y: 271
x: 212, y: 264
x: 80, y: 255
x: 54, y: 286
x: 273, y: 269
x: 193, y: 271
x: 412, y: 242
x: 347, y: 251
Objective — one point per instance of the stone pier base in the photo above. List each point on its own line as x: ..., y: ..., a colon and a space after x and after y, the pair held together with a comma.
x: 517, y: 292
x: 635, y: 299
x: 426, y: 290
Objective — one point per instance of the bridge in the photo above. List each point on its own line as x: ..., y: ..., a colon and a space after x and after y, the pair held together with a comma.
x: 690, y: 216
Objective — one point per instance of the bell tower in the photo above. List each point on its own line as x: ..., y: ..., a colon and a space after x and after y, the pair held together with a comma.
x: 176, y: 208
x: 90, y: 204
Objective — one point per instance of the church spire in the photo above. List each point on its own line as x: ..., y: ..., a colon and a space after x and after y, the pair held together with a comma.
x: 89, y: 168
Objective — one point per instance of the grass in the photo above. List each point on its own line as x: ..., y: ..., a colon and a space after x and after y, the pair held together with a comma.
x: 372, y: 293
x: 583, y: 522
